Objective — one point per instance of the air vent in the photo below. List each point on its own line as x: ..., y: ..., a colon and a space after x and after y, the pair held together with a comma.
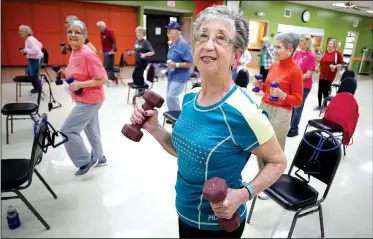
x: 287, y: 13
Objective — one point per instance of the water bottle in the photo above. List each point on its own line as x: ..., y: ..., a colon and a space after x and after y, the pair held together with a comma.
x: 258, y: 77
x: 274, y: 84
x: 13, y: 218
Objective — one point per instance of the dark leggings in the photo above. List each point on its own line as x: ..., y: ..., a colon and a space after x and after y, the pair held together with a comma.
x: 186, y: 231
x: 138, y: 74
x: 324, y: 89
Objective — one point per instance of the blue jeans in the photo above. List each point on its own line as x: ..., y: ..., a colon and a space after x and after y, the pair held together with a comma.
x: 174, y: 90
x: 32, y: 71
x: 297, y: 112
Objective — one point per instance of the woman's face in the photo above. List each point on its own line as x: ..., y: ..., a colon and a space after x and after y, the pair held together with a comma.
x: 302, y: 43
x: 22, y: 33
x: 281, y: 52
x: 139, y: 34
x: 331, y: 46
x: 214, y: 52
x: 75, y: 36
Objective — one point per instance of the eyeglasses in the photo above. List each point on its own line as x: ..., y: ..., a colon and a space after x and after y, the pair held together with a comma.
x: 220, y: 39
x: 74, y: 32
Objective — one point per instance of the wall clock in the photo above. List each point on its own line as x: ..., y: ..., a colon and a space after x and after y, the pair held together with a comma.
x: 306, y: 16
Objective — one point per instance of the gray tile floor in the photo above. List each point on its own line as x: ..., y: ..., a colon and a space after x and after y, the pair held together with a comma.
x: 133, y: 196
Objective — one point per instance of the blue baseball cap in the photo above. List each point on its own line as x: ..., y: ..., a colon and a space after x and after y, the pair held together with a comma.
x: 173, y: 25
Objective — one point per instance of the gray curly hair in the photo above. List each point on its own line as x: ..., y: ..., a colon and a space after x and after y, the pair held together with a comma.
x: 27, y: 29
x: 289, y: 39
x: 79, y: 24
x: 233, y: 16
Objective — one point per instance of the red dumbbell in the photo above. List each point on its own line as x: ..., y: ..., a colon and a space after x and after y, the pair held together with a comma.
x: 152, y: 100
x: 215, y: 190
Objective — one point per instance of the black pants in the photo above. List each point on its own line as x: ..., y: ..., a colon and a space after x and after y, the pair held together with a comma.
x: 324, y: 89
x: 186, y: 231
x: 138, y: 74
x: 264, y: 73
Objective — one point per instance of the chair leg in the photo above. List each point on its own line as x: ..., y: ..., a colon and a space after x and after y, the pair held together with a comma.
x: 321, y: 221
x: 344, y: 150
x: 45, y: 184
x: 128, y: 97
x: 32, y: 209
x: 7, y: 130
x: 296, y: 216
x: 11, y: 124
x: 251, y: 210
x: 164, y: 121
x: 20, y: 90
x: 16, y: 92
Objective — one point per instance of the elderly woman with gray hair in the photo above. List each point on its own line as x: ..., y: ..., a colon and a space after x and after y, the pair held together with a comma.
x: 219, y: 128
x: 89, y: 75
x: 34, y: 55
x: 279, y: 101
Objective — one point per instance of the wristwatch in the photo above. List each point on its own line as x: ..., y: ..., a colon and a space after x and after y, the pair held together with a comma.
x: 249, y: 188
x: 177, y: 65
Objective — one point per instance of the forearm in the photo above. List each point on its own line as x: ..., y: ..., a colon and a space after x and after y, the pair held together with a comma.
x: 164, y: 139
x: 114, y: 46
x: 185, y: 65
x: 267, y: 176
x: 150, y: 53
x: 93, y: 83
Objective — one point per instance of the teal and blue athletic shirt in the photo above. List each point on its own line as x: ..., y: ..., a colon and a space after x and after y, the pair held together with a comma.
x: 214, y: 141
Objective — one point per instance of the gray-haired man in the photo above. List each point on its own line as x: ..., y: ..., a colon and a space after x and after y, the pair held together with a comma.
x: 109, y: 48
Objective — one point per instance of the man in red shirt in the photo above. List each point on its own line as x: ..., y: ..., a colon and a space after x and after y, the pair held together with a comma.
x: 109, y: 48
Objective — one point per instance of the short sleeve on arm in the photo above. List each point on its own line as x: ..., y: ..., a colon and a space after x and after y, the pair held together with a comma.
x: 149, y: 46
x: 95, y: 69
x: 249, y: 125
x: 186, y: 54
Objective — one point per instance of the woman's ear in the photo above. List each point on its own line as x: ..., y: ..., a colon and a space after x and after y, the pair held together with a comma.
x: 237, y: 55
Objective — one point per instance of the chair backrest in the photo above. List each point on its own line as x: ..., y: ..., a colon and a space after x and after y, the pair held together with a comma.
x: 318, y: 156
x: 348, y: 85
x: 123, y: 61
x: 348, y: 74
x: 242, y: 79
x: 151, y: 73
x: 40, y: 130
x: 46, y: 56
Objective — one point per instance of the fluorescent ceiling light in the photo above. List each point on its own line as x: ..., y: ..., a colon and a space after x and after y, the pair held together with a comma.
x: 370, y: 11
x: 339, y: 4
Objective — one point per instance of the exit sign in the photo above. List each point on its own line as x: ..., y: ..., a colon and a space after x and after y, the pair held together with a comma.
x: 171, y: 3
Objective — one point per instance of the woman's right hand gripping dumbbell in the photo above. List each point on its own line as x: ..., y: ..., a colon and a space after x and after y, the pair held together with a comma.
x: 257, y: 83
x: 150, y: 117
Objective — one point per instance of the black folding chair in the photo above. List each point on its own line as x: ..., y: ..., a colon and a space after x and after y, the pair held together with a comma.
x: 242, y: 79
x: 318, y: 156
x: 16, y: 174
x: 14, y: 110
x: 348, y: 84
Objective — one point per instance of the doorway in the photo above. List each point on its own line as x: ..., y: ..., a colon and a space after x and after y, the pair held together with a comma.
x: 349, y: 48
x: 157, y: 36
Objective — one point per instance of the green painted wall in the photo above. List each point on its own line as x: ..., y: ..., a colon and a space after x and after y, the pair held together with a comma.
x: 335, y: 24
x: 179, y: 5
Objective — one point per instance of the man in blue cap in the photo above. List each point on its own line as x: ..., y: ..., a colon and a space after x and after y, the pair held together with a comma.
x: 180, y: 61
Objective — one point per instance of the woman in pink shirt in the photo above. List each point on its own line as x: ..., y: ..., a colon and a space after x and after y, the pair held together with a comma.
x: 32, y: 51
x: 306, y: 60
x: 89, y: 75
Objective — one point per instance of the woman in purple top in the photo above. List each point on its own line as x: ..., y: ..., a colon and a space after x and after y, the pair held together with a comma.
x: 306, y: 60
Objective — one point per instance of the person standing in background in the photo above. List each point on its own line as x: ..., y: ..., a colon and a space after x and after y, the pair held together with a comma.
x: 306, y: 60
x: 330, y: 63
x: 34, y: 55
x: 267, y: 57
x: 180, y: 60
x: 241, y: 64
x: 109, y: 47
x: 143, y: 50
